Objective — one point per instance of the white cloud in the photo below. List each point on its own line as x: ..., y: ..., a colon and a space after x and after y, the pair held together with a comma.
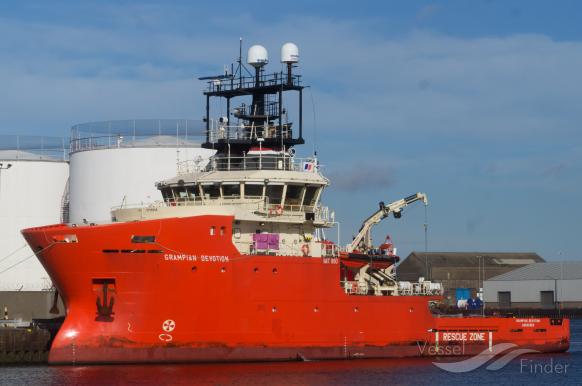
x: 422, y: 83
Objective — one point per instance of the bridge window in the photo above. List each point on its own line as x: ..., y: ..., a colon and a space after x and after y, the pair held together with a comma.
x: 231, y: 190
x: 253, y: 190
x: 192, y: 191
x: 167, y: 194
x: 310, y: 195
x: 275, y: 193
x: 180, y: 194
x: 211, y: 191
x: 294, y: 193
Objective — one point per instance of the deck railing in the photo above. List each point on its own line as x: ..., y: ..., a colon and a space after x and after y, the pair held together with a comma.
x: 30, y: 147
x: 137, y: 133
x: 265, y: 79
x: 257, y: 205
x: 219, y: 131
x: 250, y: 162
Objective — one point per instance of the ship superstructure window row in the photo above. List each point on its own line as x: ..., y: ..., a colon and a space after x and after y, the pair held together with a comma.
x: 290, y: 196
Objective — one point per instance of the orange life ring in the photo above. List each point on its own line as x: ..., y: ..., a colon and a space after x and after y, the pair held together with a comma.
x: 305, y: 249
x: 276, y: 210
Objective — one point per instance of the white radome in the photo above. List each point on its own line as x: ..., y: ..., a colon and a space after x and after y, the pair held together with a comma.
x: 257, y: 56
x: 289, y: 53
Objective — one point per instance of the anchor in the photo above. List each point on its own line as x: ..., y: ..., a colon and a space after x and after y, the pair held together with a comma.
x: 105, y: 308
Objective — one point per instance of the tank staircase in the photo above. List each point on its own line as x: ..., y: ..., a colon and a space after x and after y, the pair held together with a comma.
x: 65, y: 204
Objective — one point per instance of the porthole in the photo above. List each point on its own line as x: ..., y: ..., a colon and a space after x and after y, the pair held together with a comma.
x: 316, y: 309
x: 256, y: 269
x: 275, y: 270
x: 223, y: 269
x: 194, y: 268
x: 274, y: 309
x: 356, y: 309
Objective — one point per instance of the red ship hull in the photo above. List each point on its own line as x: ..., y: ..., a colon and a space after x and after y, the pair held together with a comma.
x: 190, y: 296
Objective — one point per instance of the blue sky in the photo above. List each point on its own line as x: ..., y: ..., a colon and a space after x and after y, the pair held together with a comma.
x: 477, y: 103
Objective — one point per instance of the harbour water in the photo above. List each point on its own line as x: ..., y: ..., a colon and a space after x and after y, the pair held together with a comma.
x: 546, y: 369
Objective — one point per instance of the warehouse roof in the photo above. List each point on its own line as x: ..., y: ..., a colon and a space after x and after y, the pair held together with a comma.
x: 469, y: 259
x: 567, y: 270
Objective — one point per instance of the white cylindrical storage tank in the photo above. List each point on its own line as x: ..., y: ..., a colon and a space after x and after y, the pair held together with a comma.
x: 118, y: 163
x: 33, y: 179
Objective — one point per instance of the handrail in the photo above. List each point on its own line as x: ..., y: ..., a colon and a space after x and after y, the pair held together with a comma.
x: 232, y: 84
x: 260, y: 206
x: 250, y: 162
x: 221, y: 131
x: 32, y: 148
x: 136, y: 133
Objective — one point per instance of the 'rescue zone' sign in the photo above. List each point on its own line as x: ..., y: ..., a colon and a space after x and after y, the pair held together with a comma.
x: 463, y: 336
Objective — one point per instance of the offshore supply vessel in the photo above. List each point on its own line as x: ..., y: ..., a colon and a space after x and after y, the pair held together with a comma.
x: 231, y: 265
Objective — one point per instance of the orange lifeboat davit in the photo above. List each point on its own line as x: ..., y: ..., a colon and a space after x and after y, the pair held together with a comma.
x: 379, y: 258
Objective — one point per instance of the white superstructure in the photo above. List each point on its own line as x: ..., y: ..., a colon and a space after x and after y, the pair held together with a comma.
x: 117, y: 163
x: 32, y: 189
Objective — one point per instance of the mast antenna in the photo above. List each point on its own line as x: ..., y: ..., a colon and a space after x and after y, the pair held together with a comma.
x: 240, y: 61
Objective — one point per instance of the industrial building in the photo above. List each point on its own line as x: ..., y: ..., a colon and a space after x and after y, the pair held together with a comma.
x: 537, y: 286
x: 462, y: 273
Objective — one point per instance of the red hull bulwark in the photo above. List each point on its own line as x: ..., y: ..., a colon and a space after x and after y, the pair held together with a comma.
x: 190, y: 296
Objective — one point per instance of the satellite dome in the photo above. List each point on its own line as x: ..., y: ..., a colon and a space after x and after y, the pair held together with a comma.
x: 257, y: 56
x: 289, y: 53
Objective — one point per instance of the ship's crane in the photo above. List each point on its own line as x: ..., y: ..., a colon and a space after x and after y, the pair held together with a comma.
x: 363, y: 240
